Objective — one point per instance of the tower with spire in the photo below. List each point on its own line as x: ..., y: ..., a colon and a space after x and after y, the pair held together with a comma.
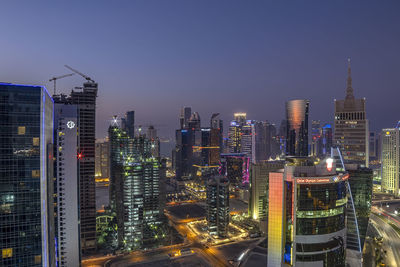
x: 351, y: 126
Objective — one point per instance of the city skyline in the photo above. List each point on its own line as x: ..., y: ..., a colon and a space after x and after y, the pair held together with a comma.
x: 255, y: 57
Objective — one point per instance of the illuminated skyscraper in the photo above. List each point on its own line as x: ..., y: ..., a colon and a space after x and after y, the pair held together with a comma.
x: 235, y: 133
x: 297, y: 127
x: 26, y: 176
x: 351, y: 132
x: 390, y: 145
x: 307, y: 213
x: 136, y: 192
x: 155, y: 141
x: 325, y: 141
x: 218, y: 206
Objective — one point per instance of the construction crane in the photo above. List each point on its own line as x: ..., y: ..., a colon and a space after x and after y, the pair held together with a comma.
x: 80, y: 73
x: 54, y: 79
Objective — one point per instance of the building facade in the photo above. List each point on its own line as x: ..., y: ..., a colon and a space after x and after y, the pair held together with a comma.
x: 66, y: 185
x: 297, y: 127
x: 26, y: 176
x: 307, y: 213
x: 351, y: 133
x: 390, y: 158
x: 218, y: 206
x: 102, y: 161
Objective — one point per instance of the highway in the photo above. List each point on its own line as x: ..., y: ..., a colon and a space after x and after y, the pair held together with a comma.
x: 391, y: 240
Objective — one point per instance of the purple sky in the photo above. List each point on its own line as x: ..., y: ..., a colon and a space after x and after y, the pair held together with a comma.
x: 215, y: 56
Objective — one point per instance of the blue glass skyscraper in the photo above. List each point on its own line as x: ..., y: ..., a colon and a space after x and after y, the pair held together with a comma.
x: 26, y: 176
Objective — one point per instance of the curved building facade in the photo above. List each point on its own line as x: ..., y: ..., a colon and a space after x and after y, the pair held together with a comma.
x: 307, y: 217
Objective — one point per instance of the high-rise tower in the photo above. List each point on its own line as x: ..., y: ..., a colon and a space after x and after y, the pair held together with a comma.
x: 26, y: 176
x: 390, y: 142
x: 297, y: 127
x: 351, y: 132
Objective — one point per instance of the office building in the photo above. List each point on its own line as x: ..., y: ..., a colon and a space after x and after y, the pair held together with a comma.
x: 26, y: 176
x: 67, y: 223
x: 390, y: 145
x: 325, y: 141
x: 85, y: 99
x: 307, y: 213
x: 235, y: 133
x: 372, y: 146
x: 218, y: 206
x: 186, y: 112
x: 297, y: 128
x: 351, y: 131
x: 102, y: 161
x: 155, y: 141
x: 235, y: 166
x: 360, y: 181
x: 259, y: 176
x: 136, y: 188
x: 315, y: 138
x: 248, y: 140
x: 128, y: 123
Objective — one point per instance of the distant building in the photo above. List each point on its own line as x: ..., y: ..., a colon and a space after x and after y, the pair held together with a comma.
x: 26, y: 176
x: 102, y: 160
x: 235, y: 166
x: 297, y: 127
x: 315, y: 138
x: 390, y: 145
x: 155, y: 141
x: 186, y: 112
x: 372, y: 146
x: 66, y: 186
x: 325, y: 140
x: 218, y: 206
x: 307, y: 213
x: 235, y: 133
x: 128, y: 123
x: 351, y: 132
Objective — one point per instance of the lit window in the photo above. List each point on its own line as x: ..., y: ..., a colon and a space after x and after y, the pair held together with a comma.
x: 38, y: 259
x: 35, y: 173
x: 7, y: 253
x: 35, y: 141
x: 21, y: 130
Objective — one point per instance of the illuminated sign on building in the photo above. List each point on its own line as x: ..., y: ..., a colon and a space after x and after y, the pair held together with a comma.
x: 70, y: 124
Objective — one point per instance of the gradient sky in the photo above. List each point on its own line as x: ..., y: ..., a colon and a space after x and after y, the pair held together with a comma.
x: 215, y: 56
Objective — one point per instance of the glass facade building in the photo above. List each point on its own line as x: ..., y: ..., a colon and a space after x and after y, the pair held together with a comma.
x: 26, y: 176
x: 297, y: 127
x: 218, y: 206
x: 307, y: 214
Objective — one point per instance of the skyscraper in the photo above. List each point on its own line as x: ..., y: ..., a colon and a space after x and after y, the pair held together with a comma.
x: 26, y: 176
x: 297, y: 127
x: 315, y: 138
x: 235, y: 133
x: 85, y: 99
x: 351, y: 126
x: 218, y: 206
x: 67, y: 223
x: 136, y: 192
x: 306, y: 217
x: 102, y: 159
x: 390, y: 145
x: 326, y: 140
x: 155, y: 141
x: 186, y: 112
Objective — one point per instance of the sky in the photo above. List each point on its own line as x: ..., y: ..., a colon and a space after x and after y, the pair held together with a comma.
x: 216, y: 56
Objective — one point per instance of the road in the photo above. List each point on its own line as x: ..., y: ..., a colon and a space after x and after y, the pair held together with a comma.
x: 391, y: 240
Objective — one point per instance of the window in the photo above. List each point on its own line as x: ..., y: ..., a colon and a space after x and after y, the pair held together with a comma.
x: 21, y: 130
x: 35, y: 173
x: 35, y: 141
x: 7, y: 253
x: 38, y: 259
